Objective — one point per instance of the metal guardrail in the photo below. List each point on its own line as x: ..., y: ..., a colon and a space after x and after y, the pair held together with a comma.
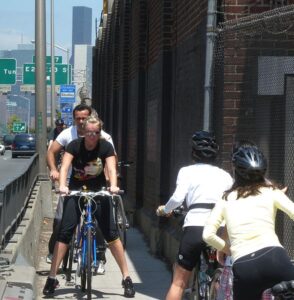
x: 13, y: 200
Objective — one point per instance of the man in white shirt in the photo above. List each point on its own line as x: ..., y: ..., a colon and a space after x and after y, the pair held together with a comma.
x: 200, y: 185
x: 80, y: 113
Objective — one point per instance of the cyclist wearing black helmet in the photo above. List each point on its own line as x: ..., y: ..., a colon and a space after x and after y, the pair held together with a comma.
x: 59, y: 126
x: 249, y: 210
x: 200, y: 185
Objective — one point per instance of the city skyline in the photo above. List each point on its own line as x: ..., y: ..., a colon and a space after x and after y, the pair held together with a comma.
x: 17, y: 24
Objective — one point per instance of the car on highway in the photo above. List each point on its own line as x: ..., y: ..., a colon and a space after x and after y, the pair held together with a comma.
x: 24, y: 144
x: 2, y: 149
x: 8, y: 140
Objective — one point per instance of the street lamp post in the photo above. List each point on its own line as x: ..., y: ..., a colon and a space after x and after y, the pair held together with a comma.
x: 53, y: 100
x: 29, y: 108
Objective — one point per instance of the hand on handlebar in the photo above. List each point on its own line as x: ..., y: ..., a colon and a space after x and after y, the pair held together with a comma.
x: 161, y: 213
x: 63, y: 190
x: 114, y: 189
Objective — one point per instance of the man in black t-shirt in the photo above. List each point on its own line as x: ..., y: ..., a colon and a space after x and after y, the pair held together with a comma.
x: 88, y: 157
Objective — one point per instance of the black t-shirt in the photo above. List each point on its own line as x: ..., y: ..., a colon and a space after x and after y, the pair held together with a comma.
x: 87, y: 166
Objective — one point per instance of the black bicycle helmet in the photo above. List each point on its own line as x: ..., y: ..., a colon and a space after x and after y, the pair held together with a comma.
x: 249, y: 162
x: 204, y: 146
x: 59, y: 122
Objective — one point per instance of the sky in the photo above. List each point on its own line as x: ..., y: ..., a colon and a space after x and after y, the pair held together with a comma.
x: 17, y: 21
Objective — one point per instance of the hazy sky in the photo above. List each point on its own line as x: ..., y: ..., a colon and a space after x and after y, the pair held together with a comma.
x: 17, y: 21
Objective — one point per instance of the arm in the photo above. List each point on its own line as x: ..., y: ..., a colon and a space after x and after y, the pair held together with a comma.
x: 66, y: 163
x: 177, y: 198
x: 210, y: 230
x: 111, y: 171
x: 283, y: 203
x: 53, y: 150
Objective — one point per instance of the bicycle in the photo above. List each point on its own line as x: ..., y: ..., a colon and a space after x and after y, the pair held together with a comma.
x: 83, y: 246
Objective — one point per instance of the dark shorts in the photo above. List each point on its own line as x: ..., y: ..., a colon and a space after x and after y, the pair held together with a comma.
x: 71, y: 218
x: 260, y: 270
x: 191, y: 246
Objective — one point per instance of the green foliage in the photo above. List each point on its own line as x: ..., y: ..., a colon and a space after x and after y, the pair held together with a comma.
x: 12, y: 119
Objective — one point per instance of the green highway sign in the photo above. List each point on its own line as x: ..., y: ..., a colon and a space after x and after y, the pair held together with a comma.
x: 58, y: 59
x: 61, y: 76
x: 7, y: 71
x: 19, y: 127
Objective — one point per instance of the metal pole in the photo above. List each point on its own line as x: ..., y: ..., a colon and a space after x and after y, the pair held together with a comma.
x: 40, y: 54
x: 67, y: 62
x: 29, y: 114
x: 53, y: 101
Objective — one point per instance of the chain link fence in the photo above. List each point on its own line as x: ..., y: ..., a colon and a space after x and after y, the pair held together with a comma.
x: 254, y: 94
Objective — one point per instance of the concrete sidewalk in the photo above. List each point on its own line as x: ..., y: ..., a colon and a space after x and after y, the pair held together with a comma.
x: 150, y: 275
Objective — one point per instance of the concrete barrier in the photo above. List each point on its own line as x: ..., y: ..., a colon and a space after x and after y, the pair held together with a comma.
x: 19, y: 258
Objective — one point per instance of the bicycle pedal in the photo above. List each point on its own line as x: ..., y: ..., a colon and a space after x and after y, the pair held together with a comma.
x: 69, y: 283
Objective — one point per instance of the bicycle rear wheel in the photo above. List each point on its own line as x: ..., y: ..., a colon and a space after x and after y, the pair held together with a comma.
x: 215, y: 284
x: 120, y: 219
x: 70, y: 259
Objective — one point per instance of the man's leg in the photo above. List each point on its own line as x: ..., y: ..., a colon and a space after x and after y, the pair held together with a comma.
x: 100, y: 250
x: 51, y: 283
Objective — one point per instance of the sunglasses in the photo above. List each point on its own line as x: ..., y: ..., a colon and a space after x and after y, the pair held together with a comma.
x: 92, y: 133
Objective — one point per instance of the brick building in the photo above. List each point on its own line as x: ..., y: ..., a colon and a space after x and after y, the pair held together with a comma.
x: 156, y: 81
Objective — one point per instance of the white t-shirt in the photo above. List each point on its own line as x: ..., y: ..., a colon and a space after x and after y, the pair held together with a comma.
x: 199, y: 183
x: 70, y: 133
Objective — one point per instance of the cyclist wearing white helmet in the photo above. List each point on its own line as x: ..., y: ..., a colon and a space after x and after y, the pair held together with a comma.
x: 201, y: 185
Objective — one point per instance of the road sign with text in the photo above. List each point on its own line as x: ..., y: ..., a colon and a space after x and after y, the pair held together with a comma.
x: 7, y: 71
x: 61, y: 74
x: 67, y: 93
x: 58, y: 59
x: 19, y: 127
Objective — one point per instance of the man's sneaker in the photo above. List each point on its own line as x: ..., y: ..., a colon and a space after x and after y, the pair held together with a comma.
x: 129, y: 288
x: 49, y: 258
x: 50, y: 286
x: 101, y: 268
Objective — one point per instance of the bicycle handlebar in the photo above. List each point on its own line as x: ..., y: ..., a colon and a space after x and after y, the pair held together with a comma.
x: 92, y: 193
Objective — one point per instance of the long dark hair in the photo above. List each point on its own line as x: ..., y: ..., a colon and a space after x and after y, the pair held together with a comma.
x: 249, y: 187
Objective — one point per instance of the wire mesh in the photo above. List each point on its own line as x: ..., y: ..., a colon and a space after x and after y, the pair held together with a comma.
x: 254, y: 94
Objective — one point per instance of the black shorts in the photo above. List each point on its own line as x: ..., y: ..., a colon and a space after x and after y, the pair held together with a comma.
x: 191, y: 246
x: 71, y: 218
x: 260, y: 270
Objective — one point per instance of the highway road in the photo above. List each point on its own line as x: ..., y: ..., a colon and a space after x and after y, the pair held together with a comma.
x: 12, y: 168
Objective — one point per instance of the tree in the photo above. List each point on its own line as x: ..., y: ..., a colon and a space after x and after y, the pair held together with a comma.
x: 11, y: 120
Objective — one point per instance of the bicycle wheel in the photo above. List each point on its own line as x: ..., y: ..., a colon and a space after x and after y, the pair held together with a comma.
x: 70, y: 259
x: 203, y: 286
x: 215, y: 284
x: 120, y: 219
x: 89, y: 262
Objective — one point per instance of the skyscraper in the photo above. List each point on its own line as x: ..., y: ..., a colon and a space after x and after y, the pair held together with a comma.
x: 81, y: 27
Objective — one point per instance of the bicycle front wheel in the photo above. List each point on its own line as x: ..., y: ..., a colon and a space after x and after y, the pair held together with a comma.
x: 120, y: 219
x: 89, y: 262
